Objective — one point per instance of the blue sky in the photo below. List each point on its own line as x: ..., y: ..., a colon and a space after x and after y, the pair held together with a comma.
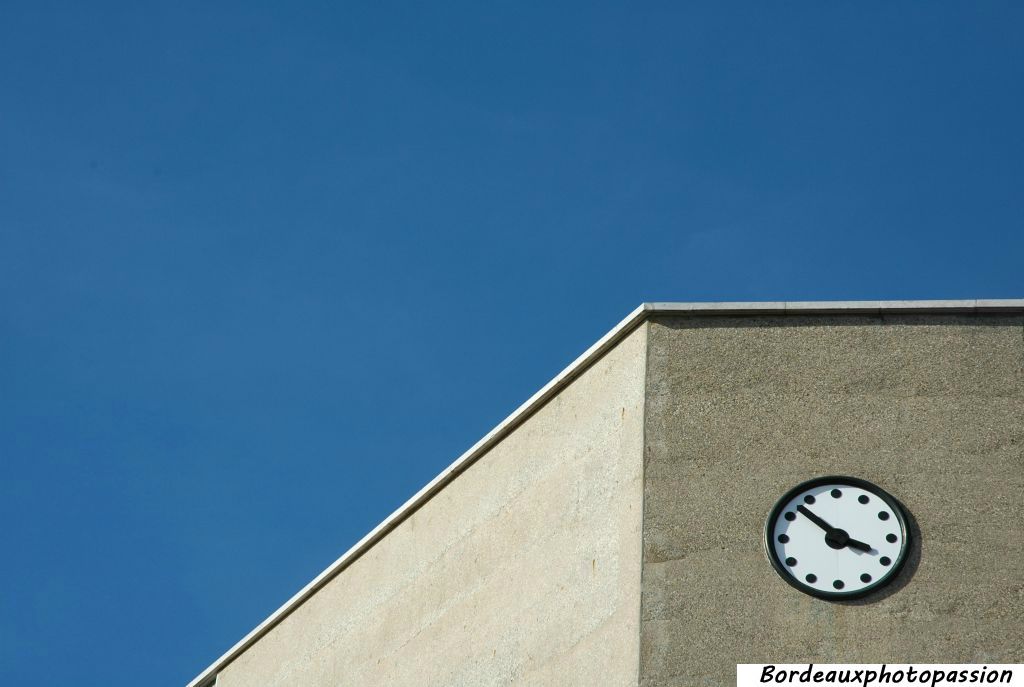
x: 266, y: 269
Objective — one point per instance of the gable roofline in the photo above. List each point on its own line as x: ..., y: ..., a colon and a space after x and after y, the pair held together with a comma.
x: 563, y: 379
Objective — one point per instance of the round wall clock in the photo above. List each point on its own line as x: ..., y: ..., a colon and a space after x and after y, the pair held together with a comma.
x: 837, y: 537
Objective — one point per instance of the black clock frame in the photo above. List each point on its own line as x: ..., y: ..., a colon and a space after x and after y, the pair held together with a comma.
x: 888, y: 499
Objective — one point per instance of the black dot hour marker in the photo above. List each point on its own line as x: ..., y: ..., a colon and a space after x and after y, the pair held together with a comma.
x: 790, y: 516
x: 783, y: 538
x: 865, y: 578
x: 891, y: 538
x: 885, y: 560
x: 863, y: 499
x: 836, y: 493
x: 882, y: 515
x: 812, y: 578
x: 791, y: 561
x: 808, y: 499
x: 838, y: 584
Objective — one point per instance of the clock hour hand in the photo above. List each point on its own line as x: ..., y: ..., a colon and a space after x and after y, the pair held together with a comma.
x: 834, y: 537
x: 854, y: 544
x: 815, y: 519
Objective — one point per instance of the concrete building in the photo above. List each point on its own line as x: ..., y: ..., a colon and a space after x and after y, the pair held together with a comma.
x: 611, y: 530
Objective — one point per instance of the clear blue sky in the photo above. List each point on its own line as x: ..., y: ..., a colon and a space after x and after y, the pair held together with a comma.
x: 265, y: 269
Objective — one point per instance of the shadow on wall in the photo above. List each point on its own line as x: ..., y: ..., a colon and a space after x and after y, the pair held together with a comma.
x: 797, y: 320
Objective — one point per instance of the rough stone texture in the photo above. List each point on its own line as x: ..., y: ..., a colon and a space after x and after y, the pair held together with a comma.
x: 739, y: 409
x: 524, y: 570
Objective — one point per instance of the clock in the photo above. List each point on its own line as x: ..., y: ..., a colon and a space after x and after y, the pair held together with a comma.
x: 837, y: 537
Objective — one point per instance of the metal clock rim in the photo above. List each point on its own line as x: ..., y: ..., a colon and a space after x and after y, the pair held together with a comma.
x: 889, y: 500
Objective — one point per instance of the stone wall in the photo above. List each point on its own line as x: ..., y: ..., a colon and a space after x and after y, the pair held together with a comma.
x: 525, y: 570
x: 740, y: 409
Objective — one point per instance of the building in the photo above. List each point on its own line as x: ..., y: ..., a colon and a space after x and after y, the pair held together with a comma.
x: 611, y: 531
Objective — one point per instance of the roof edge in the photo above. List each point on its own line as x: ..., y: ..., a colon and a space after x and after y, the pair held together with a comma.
x: 563, y: 379
x: 1004, y: 305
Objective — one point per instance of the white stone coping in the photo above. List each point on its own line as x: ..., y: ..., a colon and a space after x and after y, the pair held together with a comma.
x: 606, y: 342
x: 1007, y: 305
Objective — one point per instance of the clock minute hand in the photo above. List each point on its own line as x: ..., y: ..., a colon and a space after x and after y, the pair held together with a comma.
x: 837, y: 538
x: 815, y: 519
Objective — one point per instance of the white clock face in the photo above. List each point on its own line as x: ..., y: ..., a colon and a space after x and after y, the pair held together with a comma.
x: 837, y: 537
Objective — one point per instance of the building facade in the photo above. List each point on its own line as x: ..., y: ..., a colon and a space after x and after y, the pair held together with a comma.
x: 611, y: 530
